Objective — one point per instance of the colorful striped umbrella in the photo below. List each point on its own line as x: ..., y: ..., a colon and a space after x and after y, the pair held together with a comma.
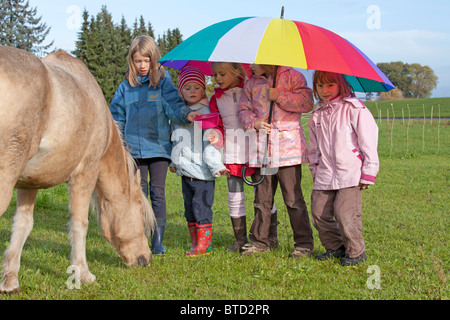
x: 280, y: 42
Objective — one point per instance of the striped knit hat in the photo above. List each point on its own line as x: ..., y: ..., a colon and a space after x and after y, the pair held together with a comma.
x: 191, y: 74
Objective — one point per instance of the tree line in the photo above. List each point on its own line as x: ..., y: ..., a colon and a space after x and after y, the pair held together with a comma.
x: 20, y: 28
x: 411, y: 80
x: 103, y: 46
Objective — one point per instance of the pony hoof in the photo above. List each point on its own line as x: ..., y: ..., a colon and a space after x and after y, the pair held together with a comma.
x: 88, y: 278
x: 9, y: 289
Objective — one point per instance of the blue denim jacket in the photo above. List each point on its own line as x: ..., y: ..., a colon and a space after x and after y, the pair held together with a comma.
x: 143, y: 114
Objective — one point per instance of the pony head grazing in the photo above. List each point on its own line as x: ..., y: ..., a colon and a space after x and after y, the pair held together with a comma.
x: 124, y: 213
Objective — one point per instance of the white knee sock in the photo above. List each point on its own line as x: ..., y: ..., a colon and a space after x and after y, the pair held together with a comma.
x: 236, y: 203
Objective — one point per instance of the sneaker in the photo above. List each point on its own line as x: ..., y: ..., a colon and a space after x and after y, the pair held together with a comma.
x: 300, y: 253
x: 251, y: 250
x: 338, y: 253
x: 347, y: 261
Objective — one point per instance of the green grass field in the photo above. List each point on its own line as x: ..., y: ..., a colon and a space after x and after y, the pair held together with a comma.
x: 406, y: 223
x: 414, y: 108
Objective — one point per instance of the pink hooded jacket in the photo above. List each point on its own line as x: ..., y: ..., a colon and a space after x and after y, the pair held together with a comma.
x: 343, y: 139
x: 287, y: 144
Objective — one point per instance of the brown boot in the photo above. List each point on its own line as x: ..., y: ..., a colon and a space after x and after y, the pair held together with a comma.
x: 273, y: 237
x: 240, y: 233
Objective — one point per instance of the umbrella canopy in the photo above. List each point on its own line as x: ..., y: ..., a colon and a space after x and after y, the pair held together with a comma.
x: 280, y: 42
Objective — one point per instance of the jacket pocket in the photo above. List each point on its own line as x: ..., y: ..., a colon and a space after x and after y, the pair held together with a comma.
x: 351, y: 144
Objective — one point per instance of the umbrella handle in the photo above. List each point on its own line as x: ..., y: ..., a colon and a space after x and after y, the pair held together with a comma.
x: 251, y: 183
x: 269, y: 120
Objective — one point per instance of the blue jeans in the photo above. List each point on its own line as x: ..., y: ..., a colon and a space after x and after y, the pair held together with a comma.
x: 198, y: 199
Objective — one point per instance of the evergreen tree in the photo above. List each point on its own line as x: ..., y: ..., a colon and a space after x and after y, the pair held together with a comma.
x: 139, y: 29
x: 20, y: 28
x: 81, y: 44
x: 103, y: 46
x: 170, y: 39
x: 150, y: 30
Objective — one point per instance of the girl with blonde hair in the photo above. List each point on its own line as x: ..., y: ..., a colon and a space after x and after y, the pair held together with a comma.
x: 286, y: 151
x: 230, y: 78
x: 143, y: 107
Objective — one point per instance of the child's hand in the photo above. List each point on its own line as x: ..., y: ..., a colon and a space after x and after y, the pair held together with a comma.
x: 192, y: 115
x: 173, y: 169
x: 223, y: 172
x: 273, y: 94
x: 262, y: 125
x: 363, y: 186
x: 213, y: 136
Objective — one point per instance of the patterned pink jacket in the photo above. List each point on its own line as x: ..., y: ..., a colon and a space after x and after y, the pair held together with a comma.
x: 343, y: 139
x: 287, y: 144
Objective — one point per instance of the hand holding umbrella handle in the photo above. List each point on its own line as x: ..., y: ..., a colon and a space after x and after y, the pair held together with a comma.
x: 264, y: 164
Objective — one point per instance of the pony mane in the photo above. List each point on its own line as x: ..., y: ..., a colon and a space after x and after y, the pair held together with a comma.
x: 134, y: 173
x: 134, y: 178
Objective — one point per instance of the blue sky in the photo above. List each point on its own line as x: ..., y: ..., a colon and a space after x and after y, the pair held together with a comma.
x: 410, y: 31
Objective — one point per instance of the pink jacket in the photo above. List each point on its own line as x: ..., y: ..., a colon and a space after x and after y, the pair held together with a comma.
x: 287, y: 144
x: 343, y: 139
x: 226, y: 103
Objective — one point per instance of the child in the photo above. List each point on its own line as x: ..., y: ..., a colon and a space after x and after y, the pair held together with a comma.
x: 142, y: 107
x: 198, y: 164
x: 230, y: 77
x: 291, y: 98
x: 343, y: 161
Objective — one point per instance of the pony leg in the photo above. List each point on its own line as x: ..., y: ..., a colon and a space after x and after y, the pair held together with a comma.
x: 79, y: 201
x: 23, y: 223
x: 6, y: 192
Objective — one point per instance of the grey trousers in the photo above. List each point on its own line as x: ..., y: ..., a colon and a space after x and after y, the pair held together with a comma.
x: 336, y: 215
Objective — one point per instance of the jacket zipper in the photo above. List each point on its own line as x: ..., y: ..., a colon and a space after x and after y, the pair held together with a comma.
x: 332, y: 153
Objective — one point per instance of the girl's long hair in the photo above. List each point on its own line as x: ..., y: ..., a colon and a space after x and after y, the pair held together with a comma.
x: 268, y: 69
x: 322, y: 77
x: 235, y: 69
x: 146, y: 46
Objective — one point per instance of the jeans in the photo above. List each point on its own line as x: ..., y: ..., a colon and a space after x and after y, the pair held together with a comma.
x: 198, y: 199
x: 156, y: 169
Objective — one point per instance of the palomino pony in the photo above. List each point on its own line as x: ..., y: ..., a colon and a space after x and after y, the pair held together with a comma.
x: 55, y: 127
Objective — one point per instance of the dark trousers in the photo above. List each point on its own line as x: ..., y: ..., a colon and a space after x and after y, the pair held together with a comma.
x: 198, y: 199
x: 290, y: 184
x: 156, y: 170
